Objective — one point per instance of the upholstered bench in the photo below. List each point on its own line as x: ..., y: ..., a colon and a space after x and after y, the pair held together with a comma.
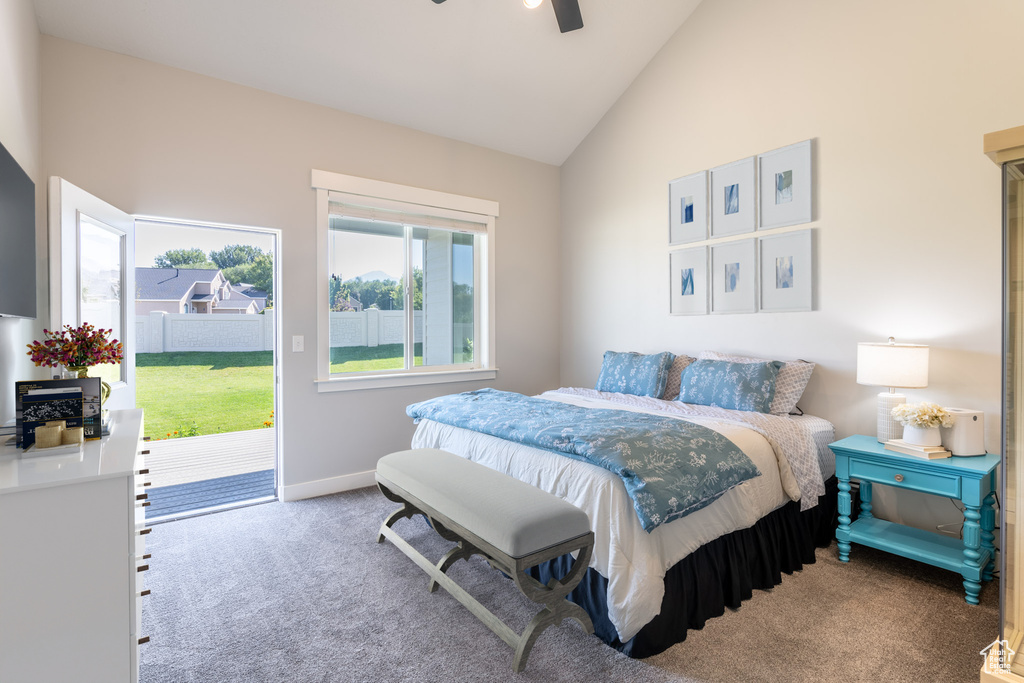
x: 510, y: 523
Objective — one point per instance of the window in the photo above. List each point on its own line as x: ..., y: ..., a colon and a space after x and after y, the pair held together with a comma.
x: 102, y: 279
x: 405, y: 287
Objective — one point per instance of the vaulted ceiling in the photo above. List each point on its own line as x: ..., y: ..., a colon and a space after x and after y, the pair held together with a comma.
x: 487, y: 72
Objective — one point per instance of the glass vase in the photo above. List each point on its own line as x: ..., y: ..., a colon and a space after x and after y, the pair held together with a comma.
x: 82, y: 371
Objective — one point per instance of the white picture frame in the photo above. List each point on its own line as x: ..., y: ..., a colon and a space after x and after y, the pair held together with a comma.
x: 734, y: 277
x: 732, y: 198
x: 785, y: 179
x: 787, y: 271
x: 688, y: 281
x: 688, y: 209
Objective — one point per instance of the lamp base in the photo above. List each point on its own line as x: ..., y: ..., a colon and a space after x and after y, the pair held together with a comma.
x: 888, y: 428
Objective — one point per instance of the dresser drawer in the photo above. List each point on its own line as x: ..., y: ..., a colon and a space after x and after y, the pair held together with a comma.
x: 894, y: 475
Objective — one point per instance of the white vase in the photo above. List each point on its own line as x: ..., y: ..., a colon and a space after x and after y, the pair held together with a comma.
x: 922, y: 436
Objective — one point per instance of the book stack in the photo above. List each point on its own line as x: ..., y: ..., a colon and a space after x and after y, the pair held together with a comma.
x: 927, y: 452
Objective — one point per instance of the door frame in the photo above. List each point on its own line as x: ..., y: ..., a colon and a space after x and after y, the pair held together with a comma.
x: 275, y: 311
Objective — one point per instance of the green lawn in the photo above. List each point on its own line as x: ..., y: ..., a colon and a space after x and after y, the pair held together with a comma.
x: 364, y: 358
x: 229, y: 391
x: 220, y: 392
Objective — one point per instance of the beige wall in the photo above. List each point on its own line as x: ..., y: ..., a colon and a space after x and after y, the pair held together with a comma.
x: 164, y: 142
x: 19, y: 133
x: 897, y: 96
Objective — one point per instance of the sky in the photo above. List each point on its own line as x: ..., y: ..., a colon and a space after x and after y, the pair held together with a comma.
x: 151, y: 240
x: 363, y: 253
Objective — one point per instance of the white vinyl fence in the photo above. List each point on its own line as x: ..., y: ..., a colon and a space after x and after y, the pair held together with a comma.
x: 160, y: 332
x: 372, y: 327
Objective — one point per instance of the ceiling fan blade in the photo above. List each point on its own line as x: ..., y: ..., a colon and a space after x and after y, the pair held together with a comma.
x: 568, y: 14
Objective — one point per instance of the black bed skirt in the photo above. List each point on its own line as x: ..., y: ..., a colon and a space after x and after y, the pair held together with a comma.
x: 717, y: 575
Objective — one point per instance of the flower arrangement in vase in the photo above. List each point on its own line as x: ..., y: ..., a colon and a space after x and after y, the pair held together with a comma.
x: 78, y: 349
x: 921, y: 422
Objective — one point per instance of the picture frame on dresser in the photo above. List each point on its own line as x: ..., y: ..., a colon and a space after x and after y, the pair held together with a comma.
x: 786, y: 271
x: 688, y: 281
x: 786, y: 186
x: 734, y: 277
x: 688, y: 208
x: 732, y: 198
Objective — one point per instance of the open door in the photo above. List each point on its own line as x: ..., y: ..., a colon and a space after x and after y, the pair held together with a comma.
x: 92, y: 276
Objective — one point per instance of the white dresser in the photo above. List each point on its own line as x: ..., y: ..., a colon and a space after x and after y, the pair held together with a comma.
x: 72, y: 560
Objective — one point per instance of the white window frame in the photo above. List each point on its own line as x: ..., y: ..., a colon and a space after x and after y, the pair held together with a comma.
x: 428, y: 202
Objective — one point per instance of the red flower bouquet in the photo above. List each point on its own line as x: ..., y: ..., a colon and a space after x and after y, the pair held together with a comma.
x: 77, y: 347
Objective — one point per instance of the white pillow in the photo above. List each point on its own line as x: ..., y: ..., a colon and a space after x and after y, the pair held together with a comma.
x: 789, y: 384
x: 675, y: 374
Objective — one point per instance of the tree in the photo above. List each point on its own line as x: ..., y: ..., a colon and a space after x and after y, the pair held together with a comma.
x: 259, y: 273
x: 236, y: 255
x: 462, y: 303
x: 184, y: 258
x: 339, y: 294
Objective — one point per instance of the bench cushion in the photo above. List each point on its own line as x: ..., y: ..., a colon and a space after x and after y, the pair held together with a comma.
x: 513, y: 516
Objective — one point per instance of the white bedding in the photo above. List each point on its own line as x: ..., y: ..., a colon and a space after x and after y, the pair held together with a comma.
x: 634, y: 561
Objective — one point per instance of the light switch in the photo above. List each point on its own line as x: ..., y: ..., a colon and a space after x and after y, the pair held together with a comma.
x: 298, y: 343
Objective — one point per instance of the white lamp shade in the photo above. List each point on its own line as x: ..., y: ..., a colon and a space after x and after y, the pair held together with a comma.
x: 892, y: 365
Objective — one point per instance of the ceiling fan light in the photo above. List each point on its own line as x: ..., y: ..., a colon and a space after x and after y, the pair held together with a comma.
x: 532, y: 4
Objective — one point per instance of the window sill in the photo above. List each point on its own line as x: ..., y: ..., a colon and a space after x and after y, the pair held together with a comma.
x: 406, y: 379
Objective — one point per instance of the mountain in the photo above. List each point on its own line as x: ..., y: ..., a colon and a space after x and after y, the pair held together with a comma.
x: 374, y: 275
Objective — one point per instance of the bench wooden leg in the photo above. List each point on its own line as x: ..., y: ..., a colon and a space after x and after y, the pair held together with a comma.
x: 547, y: 617
x: 552, y: 596
x: 463, y: 551
x: 407, y: 510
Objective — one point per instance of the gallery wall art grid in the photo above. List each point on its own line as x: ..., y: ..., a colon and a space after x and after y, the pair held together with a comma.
x: 770, y: 273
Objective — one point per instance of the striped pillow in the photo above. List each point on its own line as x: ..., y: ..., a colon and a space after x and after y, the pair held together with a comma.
x: 675, y: 374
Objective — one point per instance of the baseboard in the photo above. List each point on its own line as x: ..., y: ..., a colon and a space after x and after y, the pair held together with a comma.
x: 323, y: 487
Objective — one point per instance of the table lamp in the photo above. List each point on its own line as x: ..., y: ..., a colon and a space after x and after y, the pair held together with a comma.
x: 895, y: 366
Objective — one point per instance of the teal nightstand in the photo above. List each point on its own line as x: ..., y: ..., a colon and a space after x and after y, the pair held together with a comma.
x: 970, y: 480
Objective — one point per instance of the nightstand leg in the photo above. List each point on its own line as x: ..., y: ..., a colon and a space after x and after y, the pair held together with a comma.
x: 988, y: 525
x: 972, y: 542
x: 843, y: 532
x: 865, y: 499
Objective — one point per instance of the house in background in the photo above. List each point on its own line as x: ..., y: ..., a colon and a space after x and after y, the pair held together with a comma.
x: 193, y: 290
x: 251, y: 291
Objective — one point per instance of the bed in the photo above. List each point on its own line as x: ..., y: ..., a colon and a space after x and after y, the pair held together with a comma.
x: 644, y: 589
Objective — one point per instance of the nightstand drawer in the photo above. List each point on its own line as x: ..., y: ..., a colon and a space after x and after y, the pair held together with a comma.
x: 894, y: 475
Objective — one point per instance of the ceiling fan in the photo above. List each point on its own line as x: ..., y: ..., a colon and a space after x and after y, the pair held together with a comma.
x: 567, y: 12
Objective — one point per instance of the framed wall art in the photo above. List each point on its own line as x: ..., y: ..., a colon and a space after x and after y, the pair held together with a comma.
x: 688, y: 208
x: 732, y: 198
x: 734, y: 277
x: 785, y: 184
x: 787, y: 275
x: 688, y: 281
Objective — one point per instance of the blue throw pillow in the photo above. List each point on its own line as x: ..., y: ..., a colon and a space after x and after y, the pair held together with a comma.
x: 635, y: 373
x: 736, y: 386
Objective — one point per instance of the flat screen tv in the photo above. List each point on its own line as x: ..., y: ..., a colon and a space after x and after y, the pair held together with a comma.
x: 17, y: 239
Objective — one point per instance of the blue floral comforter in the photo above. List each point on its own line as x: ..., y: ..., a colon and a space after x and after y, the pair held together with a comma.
x: 670, y: 467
